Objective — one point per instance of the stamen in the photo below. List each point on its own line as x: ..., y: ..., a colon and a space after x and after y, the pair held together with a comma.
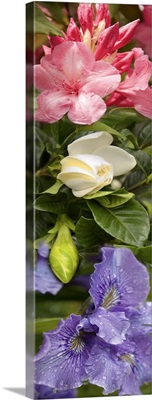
x: 76, y: 343
x: 129, y: 358
x: 111, y: 298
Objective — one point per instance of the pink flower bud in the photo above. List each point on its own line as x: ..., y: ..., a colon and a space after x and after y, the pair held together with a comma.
x: 85, y: 16
x: 73, y: 32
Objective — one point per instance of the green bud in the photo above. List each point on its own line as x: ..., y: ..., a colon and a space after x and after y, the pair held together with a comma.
x: 64, y: 255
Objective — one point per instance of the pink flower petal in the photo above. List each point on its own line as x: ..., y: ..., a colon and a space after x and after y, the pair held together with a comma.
x: 52, y: 106
x: 103, y: 79
x: 126, y: 33
x: 73, y: 58
x: 139, y: 77
x: 42, y: 79
x: 119, y: 100
x: 147, y: 14
x: 73, y: 32
x: 102, y: 12
x: 86, y: 108
x: 143, y: 102
x: 106, y: 41
x: 123, y: 61
x: 85, y: 16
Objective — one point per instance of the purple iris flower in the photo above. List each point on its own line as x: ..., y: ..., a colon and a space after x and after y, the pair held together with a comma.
x: 45, y: 392
x: 60, y: 362
x: 109, y: 345
x: 45, y: 280
x: 120, y: 281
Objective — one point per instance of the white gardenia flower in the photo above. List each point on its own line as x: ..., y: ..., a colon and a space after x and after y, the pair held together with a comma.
x: 92, y: 163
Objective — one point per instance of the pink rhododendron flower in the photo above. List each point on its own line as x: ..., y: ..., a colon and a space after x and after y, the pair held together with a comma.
x: 97, y: 33
x: 72, y: 82
x: 134, y: 90
x: 143, y: 33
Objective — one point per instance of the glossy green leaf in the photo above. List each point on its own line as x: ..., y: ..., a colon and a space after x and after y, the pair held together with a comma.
x: 97, y: 195
x: 43, y: 25
x: 143, y: 161
x: 120, y: 118
x: 144, y: 137
x: 88, y: 233
x: 46, y: 324
x: 116, y: 199
x: 45, y: 203
x: 55, y: 188
x: 128, y: 224
x: 100, y: 126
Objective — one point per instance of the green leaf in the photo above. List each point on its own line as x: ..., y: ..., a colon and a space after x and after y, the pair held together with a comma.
x: 55, y: 10
x: 120, y: 118
x: 111, y: 198
x: 44, y: 139
x: 144, y: 137
x: 128, y: 224
x: 143, y: 161
x: 55, y: 188
x: 46, y: 203
x: 143, y: 194
x: 100, y: 126
x: 46, y: 324
x: 97, y: 195
x: 129, y: 136
x: 116, y: 199
x: 88, y: 233
x: 43, y: 25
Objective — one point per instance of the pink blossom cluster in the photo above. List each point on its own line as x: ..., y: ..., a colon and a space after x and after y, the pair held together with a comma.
x: 81, y: 72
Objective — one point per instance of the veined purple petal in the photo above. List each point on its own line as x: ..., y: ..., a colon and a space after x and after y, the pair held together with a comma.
x: 119, y: 280
x: 62, y: 356
x: 112, y: 325
x: 140, y: 363
x: 104, y: 368
x: 45, y: 392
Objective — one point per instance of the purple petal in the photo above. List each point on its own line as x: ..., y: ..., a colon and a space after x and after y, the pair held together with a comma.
x: 130, y: 385
x: 45, y: 392
x: 104, y: 368
x: 60, y: 361
x: 141, y: 368
x: 140, y: 320
x: 45, y: 280
x: 43, y: 250
x: 119, y: 280
x: 112, y: 325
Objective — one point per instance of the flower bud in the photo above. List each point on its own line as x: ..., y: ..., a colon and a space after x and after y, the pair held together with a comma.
x: 64, y: 255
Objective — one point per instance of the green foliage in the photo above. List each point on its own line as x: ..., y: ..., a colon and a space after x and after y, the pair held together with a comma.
x: 88, y: 233
x: 43, y: 25
x: 128, y: 224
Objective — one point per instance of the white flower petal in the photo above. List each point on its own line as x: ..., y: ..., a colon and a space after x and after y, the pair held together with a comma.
x: 83, y: 192
x: 77, y: 180
x: 121, y: 161
x: 89, y: 143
